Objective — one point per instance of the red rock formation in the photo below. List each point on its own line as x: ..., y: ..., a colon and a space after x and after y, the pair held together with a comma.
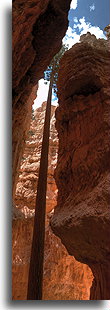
x: 82, y: 215
x: 25, y: 196
x: 34, y: 25
x: 20, y: 126
x: 64, y: 277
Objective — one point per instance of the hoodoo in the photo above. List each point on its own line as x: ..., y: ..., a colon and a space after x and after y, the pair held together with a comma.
x: 82, y: 216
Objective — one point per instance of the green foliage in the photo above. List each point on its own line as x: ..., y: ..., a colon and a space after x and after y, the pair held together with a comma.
x: 54, y: 67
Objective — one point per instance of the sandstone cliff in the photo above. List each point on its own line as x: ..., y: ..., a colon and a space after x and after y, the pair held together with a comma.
x: 64, y: 277
x: 35, y: 24
x: 82, y: 216
x: 25, y: 196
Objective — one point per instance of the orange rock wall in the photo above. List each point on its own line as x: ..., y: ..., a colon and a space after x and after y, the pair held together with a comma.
x: 64, y: 277
x: 82, y: 215
x: 34, y: 23
x: 25, y: 196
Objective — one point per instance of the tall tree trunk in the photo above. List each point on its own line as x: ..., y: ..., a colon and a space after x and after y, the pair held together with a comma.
x: 37, y: 253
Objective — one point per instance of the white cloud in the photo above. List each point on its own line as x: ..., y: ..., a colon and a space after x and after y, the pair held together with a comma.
x: 73, y: 4
x: 84, y: 27
x: 71, y: 40
x: 75, y: 20
x: 69, y: 32
x: 72, y: 37
x: 54, y: 99
x: 96, y: 31
x: 92, y: 7
x: 55, y: 102
x: 42, y: 94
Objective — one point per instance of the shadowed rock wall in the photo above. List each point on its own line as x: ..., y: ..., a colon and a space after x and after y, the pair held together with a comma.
x: 38, y: 29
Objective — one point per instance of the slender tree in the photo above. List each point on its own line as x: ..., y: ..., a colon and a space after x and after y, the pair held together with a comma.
x: 37, y: 252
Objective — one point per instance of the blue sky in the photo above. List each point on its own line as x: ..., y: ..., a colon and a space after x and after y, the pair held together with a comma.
x: 87, y: 15
x: 97, y: 12
x: 84, y: 15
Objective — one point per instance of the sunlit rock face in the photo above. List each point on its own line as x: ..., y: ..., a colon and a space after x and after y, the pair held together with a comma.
x: 35, y: 23
x: 25, y: 197
x: 64, y: 277
x: 82, y: 216
x: 20, y: 126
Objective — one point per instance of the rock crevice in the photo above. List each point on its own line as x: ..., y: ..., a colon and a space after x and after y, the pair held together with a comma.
x: 38, y: 29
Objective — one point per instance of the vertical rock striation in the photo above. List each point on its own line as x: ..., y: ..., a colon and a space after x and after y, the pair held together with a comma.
x: 82, y: 216
x: 20, y: 126
x: 25, y: 196
x: 64, y: 277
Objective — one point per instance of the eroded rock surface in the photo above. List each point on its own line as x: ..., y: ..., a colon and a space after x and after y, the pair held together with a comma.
x: 64, y: 277
x: 82, y: 216
x: 38, y: 29
x: 26, y: 189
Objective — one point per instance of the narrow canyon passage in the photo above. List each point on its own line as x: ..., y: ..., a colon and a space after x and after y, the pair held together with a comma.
x: 64, y: 277
x: 77, y: 249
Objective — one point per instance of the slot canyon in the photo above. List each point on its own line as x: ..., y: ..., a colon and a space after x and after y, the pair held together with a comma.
x: 77, y: 234
x: 64, y: 277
